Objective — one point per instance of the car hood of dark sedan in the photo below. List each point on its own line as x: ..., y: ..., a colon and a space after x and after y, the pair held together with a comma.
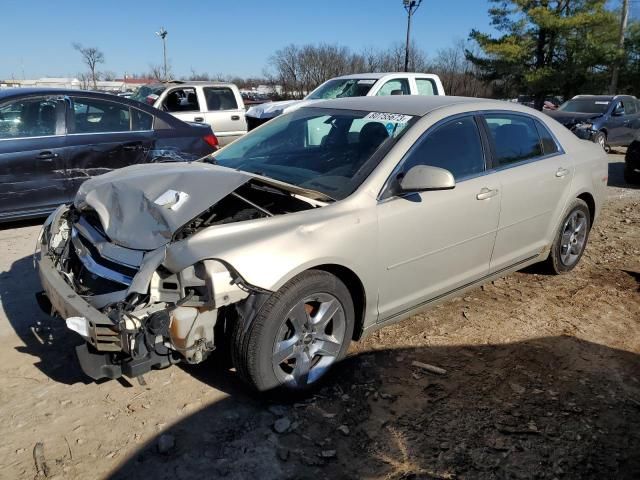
x: 142, y: 206
x: 572, y: 118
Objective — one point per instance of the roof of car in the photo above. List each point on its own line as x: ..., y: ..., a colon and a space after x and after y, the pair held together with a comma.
x: 417, y: 105
x: 380, y: 75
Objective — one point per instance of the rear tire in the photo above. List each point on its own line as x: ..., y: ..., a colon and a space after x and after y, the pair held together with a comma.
x: 301, y: 331
x: 571, y: 238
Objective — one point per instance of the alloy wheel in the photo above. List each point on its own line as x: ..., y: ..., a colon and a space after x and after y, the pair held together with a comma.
x: 309, y: 340
x: 574, y: 237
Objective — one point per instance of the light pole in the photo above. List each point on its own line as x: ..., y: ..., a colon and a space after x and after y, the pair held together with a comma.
x: 163, y: 35
x: 410, y: 6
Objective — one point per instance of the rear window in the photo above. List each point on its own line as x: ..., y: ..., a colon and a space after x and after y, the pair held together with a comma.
x: 426, y: 86
x: 220, y: 98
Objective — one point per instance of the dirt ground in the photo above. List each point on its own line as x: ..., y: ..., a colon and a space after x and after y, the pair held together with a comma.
x: 542, y: 381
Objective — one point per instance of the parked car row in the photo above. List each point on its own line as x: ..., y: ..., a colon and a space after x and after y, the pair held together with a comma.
x: 52, y: 140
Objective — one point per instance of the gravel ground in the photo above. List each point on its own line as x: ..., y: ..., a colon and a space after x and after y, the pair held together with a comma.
x: 542, y: 381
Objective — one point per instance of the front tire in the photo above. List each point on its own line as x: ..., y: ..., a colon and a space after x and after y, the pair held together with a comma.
x: 571, y: 238
x: 298, y: 335
x: 601, y: 139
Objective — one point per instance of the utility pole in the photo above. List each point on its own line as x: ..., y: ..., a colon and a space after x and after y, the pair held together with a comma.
x: 163, y: 35
x: 410, y: 6
x: 615, y: 75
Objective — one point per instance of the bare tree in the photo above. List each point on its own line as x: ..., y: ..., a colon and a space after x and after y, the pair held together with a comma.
x: 157, y: 73
x: 85, y: 81
x: 109, y: 75
x: 91, y: 57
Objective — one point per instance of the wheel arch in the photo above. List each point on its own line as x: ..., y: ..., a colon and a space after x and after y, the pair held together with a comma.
x: 356, y: 290
x: 587, y: 198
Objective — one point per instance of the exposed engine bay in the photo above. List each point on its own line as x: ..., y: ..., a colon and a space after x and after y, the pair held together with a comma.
x: 134, y: 313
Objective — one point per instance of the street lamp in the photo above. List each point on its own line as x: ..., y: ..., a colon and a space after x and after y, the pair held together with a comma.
x: 163, y: 35
x: 410, y: 6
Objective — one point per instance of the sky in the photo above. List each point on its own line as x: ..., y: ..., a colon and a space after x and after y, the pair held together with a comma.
x: 234, y: 37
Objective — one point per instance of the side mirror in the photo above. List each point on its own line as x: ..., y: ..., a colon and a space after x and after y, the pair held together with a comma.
x: 422, y: 178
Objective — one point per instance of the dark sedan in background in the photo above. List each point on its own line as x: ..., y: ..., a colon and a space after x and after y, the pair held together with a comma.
x: 53, y: 140
x: 611, y: 121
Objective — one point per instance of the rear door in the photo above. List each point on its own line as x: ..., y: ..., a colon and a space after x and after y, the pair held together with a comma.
x: 225, y: 113
x: 103, y: 135
x: 535, y: 178
x: 32, y: 166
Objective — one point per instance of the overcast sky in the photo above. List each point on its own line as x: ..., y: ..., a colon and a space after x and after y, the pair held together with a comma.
x: 233, y: 37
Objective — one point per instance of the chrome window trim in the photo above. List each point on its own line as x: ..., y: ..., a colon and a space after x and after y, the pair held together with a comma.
x: 31, y: 138
x: 108, y: 133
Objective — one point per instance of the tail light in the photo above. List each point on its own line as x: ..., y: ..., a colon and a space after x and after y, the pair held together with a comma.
x: 211, y: 140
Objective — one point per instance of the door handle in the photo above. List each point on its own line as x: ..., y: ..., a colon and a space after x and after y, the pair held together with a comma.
x: 198, y: 119
x: 235, y: 117
x: 47, y: 155
x: 486, y: 193
x: 562, y: 172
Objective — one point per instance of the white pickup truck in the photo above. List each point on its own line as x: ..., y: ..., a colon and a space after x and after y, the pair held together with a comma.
x: 356, y: 85
x: 218, y: 104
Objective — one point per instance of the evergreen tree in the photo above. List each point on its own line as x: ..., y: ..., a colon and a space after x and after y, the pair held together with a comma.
x: 547, y: 47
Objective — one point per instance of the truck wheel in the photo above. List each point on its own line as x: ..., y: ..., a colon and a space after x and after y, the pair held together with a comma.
x: 571, y: 238
x: 632, y: 158
x: 601, y: 139
x: 297, y: 336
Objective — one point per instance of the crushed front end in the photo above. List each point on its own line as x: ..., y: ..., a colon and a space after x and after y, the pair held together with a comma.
x: 134, y: 314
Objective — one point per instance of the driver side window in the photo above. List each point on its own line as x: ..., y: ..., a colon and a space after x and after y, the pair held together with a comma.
x: 455, y: 146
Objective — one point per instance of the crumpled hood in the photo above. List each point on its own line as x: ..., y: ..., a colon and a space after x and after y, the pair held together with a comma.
x: 572, y: 118
x: 273, y: 109
x: 142, y: 206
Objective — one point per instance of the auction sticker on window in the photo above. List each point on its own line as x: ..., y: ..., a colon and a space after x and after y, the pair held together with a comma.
x: 388, y: 117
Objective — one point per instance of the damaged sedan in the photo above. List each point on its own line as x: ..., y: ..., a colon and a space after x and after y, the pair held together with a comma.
x: 314, y: 230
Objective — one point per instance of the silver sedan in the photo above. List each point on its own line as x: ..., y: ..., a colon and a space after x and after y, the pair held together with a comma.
x: 314, y: 230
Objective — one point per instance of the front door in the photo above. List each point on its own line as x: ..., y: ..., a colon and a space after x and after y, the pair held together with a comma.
x: 32, y: 164
x: 435, y: 242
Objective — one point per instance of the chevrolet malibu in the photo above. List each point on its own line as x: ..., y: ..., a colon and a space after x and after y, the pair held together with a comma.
x: 314, y: 230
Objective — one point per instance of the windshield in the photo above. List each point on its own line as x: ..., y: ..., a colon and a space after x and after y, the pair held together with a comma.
x: 354, y: 87
x: 143, y: 92
x: 584, y: 105
x: 326, y: 150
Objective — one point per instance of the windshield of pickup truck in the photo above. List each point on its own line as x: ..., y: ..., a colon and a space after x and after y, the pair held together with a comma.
x: 584, y: 105
x: 354, y: 87
x: 330, y: 151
